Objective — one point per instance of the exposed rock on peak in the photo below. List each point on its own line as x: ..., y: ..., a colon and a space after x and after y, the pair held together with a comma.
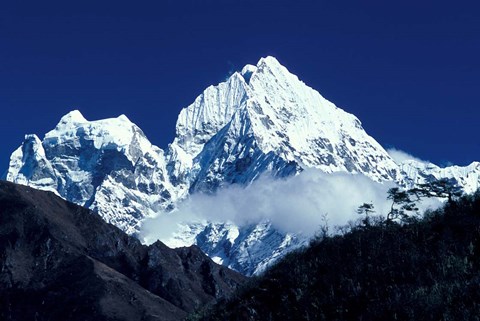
x: 262, y: 120
x: 75, y: 116
x: 107, y: 165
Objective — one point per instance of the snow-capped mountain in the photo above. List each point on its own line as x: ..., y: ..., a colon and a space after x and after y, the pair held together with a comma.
x: 417, y: 172
x: 106, y: 165
x: 248, y: 249
x: 262, y: 121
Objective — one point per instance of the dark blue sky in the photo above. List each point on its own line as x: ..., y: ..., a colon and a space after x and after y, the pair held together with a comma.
x: 408, y: 69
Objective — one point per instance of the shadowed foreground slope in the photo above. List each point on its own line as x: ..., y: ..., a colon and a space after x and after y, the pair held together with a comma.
x: 59, y: 261
x: 425, y: 270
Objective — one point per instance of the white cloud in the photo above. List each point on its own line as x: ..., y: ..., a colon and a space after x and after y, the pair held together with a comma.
x: 399, y: 156
x: 295, y: 204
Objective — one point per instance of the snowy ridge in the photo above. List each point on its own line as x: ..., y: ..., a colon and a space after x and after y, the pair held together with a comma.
x: 266, y: 119
x: 199, y: 122
x: 468, y: 177
x: 262, y: 121
x: 107, y: 165
x: 249, y: 249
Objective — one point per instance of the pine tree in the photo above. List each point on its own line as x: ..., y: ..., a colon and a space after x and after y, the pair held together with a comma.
x: 401, y: 204
x: 442, y: 188
x: 366, y: 209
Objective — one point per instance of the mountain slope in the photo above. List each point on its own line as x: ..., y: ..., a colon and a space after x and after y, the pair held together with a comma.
x: 265, y: 119
x: 426, y: 270
x: 60, y: 261
x: 262, y: 120
x: 106, y: 165
x: 415, y: 172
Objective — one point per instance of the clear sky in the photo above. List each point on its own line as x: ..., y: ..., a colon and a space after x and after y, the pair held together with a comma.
x: 408, y: 69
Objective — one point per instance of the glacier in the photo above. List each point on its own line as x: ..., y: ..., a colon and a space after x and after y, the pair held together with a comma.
x: 263, y: 120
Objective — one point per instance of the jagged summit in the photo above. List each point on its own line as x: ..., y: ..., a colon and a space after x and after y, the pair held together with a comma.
x: 273, y: 66
x: 263, y: 120
x: 105, y: 133
x: 247, y: 72
x: 268, y: 62
x: 108, y: 165
x: 74, y: 116
x: 417, y: 172
x: 214, y: 108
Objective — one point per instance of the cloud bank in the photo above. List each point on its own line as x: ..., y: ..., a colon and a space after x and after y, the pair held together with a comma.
x: 296, y: 204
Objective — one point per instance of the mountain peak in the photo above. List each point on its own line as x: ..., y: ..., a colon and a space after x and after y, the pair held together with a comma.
x: 263, y: 120
x: 74, y: 116
x: 124, y: 118
x: 34, y: 138
x: 271, y: 65
x: 117, y: 131
x: 69, y: 120
x: 268, y: 60
x: 247, y: 72
x: 96, y: 164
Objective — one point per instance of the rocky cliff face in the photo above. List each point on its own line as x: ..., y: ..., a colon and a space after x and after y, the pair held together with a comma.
x: 262, y: 121
x: 108, y: 166
x: 415, y: 172
x: 59, y: 261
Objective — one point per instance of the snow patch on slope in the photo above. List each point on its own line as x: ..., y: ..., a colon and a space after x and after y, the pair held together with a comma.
x: 260, y: 124
x: 107, y: 165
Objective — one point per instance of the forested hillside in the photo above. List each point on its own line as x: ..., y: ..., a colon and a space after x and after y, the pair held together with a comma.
x: 426, y: 269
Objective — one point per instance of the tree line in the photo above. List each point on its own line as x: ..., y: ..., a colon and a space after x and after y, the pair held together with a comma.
x: 404, y: 201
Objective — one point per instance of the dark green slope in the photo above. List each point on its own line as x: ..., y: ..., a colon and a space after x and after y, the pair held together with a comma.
x: 425, y: 270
